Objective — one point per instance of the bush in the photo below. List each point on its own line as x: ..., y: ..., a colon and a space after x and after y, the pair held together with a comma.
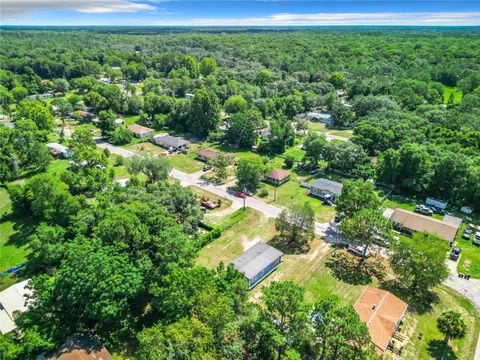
x: 265, y: 160
x: 119, y: 161
x: 289, y: 160
x: 106, y: 151
x: 263, y: 192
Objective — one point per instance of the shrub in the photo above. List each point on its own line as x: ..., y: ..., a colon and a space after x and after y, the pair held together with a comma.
x: 263, y: 192
x: 289, y: 160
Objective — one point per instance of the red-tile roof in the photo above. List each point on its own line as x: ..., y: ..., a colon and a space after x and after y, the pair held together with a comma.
x: 277, y: 174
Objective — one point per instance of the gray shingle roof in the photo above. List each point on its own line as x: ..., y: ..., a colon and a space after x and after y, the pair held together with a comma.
x: 255, y: 259
x: 328, y: 185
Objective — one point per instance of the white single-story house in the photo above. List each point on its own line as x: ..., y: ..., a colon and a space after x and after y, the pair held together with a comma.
x: 59, y: 150
x: 12, y: 300
x: 257, y: 263
x: 41, y: 96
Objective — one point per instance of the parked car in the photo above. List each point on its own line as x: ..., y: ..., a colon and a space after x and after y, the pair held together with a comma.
x: 467, y: 234
x: 209, y: 204
x: 248, y: 192
x: 455, y: 254
x: 327, y: 202
x: 241, y: 195
x: 207, y: 167
x: 424, y: 210
x: 476, y: 238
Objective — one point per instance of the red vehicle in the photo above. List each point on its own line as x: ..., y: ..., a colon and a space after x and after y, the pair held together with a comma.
x: 241, y: 194
x: 208, y: 204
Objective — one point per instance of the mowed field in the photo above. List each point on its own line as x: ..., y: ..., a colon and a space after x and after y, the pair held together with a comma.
x: 313, y: 271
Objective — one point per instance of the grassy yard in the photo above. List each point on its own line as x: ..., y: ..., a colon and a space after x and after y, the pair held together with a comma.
x: 469, y: 262
x: 145, y: 147
x: 56, y: 167
x: 316, y: 126
x: 343, y: 133
x: 452, y: 90
x: 234, y: 241
x: 130, y: 119
x: 290, y: 195
x: 13, y: 236
x: 426, y: 342
x: 186, y: 163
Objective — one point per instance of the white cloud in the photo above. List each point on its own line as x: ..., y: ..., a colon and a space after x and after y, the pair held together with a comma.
x: 13, y: 9
x: 319, y: 19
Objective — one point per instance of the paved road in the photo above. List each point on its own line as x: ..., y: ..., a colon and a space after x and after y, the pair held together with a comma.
x: 219, y: 190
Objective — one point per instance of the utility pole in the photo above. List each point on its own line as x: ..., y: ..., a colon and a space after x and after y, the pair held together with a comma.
x: 274, y: 193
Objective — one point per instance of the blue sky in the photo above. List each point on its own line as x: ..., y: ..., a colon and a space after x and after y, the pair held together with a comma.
x: 239, y: 13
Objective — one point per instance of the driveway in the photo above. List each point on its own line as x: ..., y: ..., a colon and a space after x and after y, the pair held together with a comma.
x: 468, y: 288
x: 102, y: 143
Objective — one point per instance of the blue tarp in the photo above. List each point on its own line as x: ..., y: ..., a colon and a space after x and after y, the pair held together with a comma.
x: 13, y: 269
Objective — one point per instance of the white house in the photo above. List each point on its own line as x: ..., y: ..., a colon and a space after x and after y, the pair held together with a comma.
x: 12, y: 300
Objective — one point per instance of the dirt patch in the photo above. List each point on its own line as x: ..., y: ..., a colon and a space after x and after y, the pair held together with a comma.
x: 247, y: 244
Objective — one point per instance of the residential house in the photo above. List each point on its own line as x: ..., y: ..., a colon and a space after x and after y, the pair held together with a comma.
x: 382, y: 312
x: 83, y: 114
x: 258, y: 262
x: 277, y: 177
x: 326, y: 189
x: 48, y: 95
x: 58, y: 150
x: 323, y: 117
x: 80, y: 347
x: 410, y: 222
x: 171, y: 143
x: 12, y: 301
x: 207, y: 154
x: 263, y: 133
x: 140, y: 131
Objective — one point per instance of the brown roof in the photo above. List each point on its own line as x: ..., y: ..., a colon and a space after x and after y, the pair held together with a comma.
x: 277, y: 174
x: 382, y: 312
x: 417, y: 222
x: 208, y: 153
x: 139, y: 129
x: 81, y: 347
x: 83, y: 113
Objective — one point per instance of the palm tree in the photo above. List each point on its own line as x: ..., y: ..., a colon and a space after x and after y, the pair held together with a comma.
x: 452, y: 325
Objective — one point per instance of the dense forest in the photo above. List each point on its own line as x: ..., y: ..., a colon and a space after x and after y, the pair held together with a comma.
x: 119, y: 262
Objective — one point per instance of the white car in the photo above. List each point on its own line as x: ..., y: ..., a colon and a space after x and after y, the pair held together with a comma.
x: 476, y: 238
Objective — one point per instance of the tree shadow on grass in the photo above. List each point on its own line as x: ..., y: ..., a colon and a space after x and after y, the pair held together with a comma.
x: 439, y: 350
x: 352, y: 270
x: 420, y: 302
x: 279, y: 243
x: 23, y: 227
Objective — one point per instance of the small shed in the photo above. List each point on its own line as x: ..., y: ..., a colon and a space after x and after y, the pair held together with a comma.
x: 326, y: 189
x: 141, y: 131
x: 277, y: 177
x: 59, y: 150
x: 258, y: 262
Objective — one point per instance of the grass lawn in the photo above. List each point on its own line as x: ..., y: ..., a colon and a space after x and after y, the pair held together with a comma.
x: 469, y: 262
x: 186, y: 163
x: 290, y: 195
x: 426, y: 342
x: 225, y: 203
x: 13, y: 236
x: 346, y: 133
x: 452, y: 90
x: 316, y: 126
x: 145, y: 147
x: 130, y: 119
x: 56, y: 167
x: 253, y: 228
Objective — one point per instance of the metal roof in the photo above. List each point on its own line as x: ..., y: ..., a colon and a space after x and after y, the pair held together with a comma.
x: 255, y: 259
x: 328, y: 185
x: 12, y: 299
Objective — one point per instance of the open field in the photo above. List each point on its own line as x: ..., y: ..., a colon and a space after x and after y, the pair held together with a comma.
x: 186, y: 163
x: 145, y: 147
x: 457, y: 94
